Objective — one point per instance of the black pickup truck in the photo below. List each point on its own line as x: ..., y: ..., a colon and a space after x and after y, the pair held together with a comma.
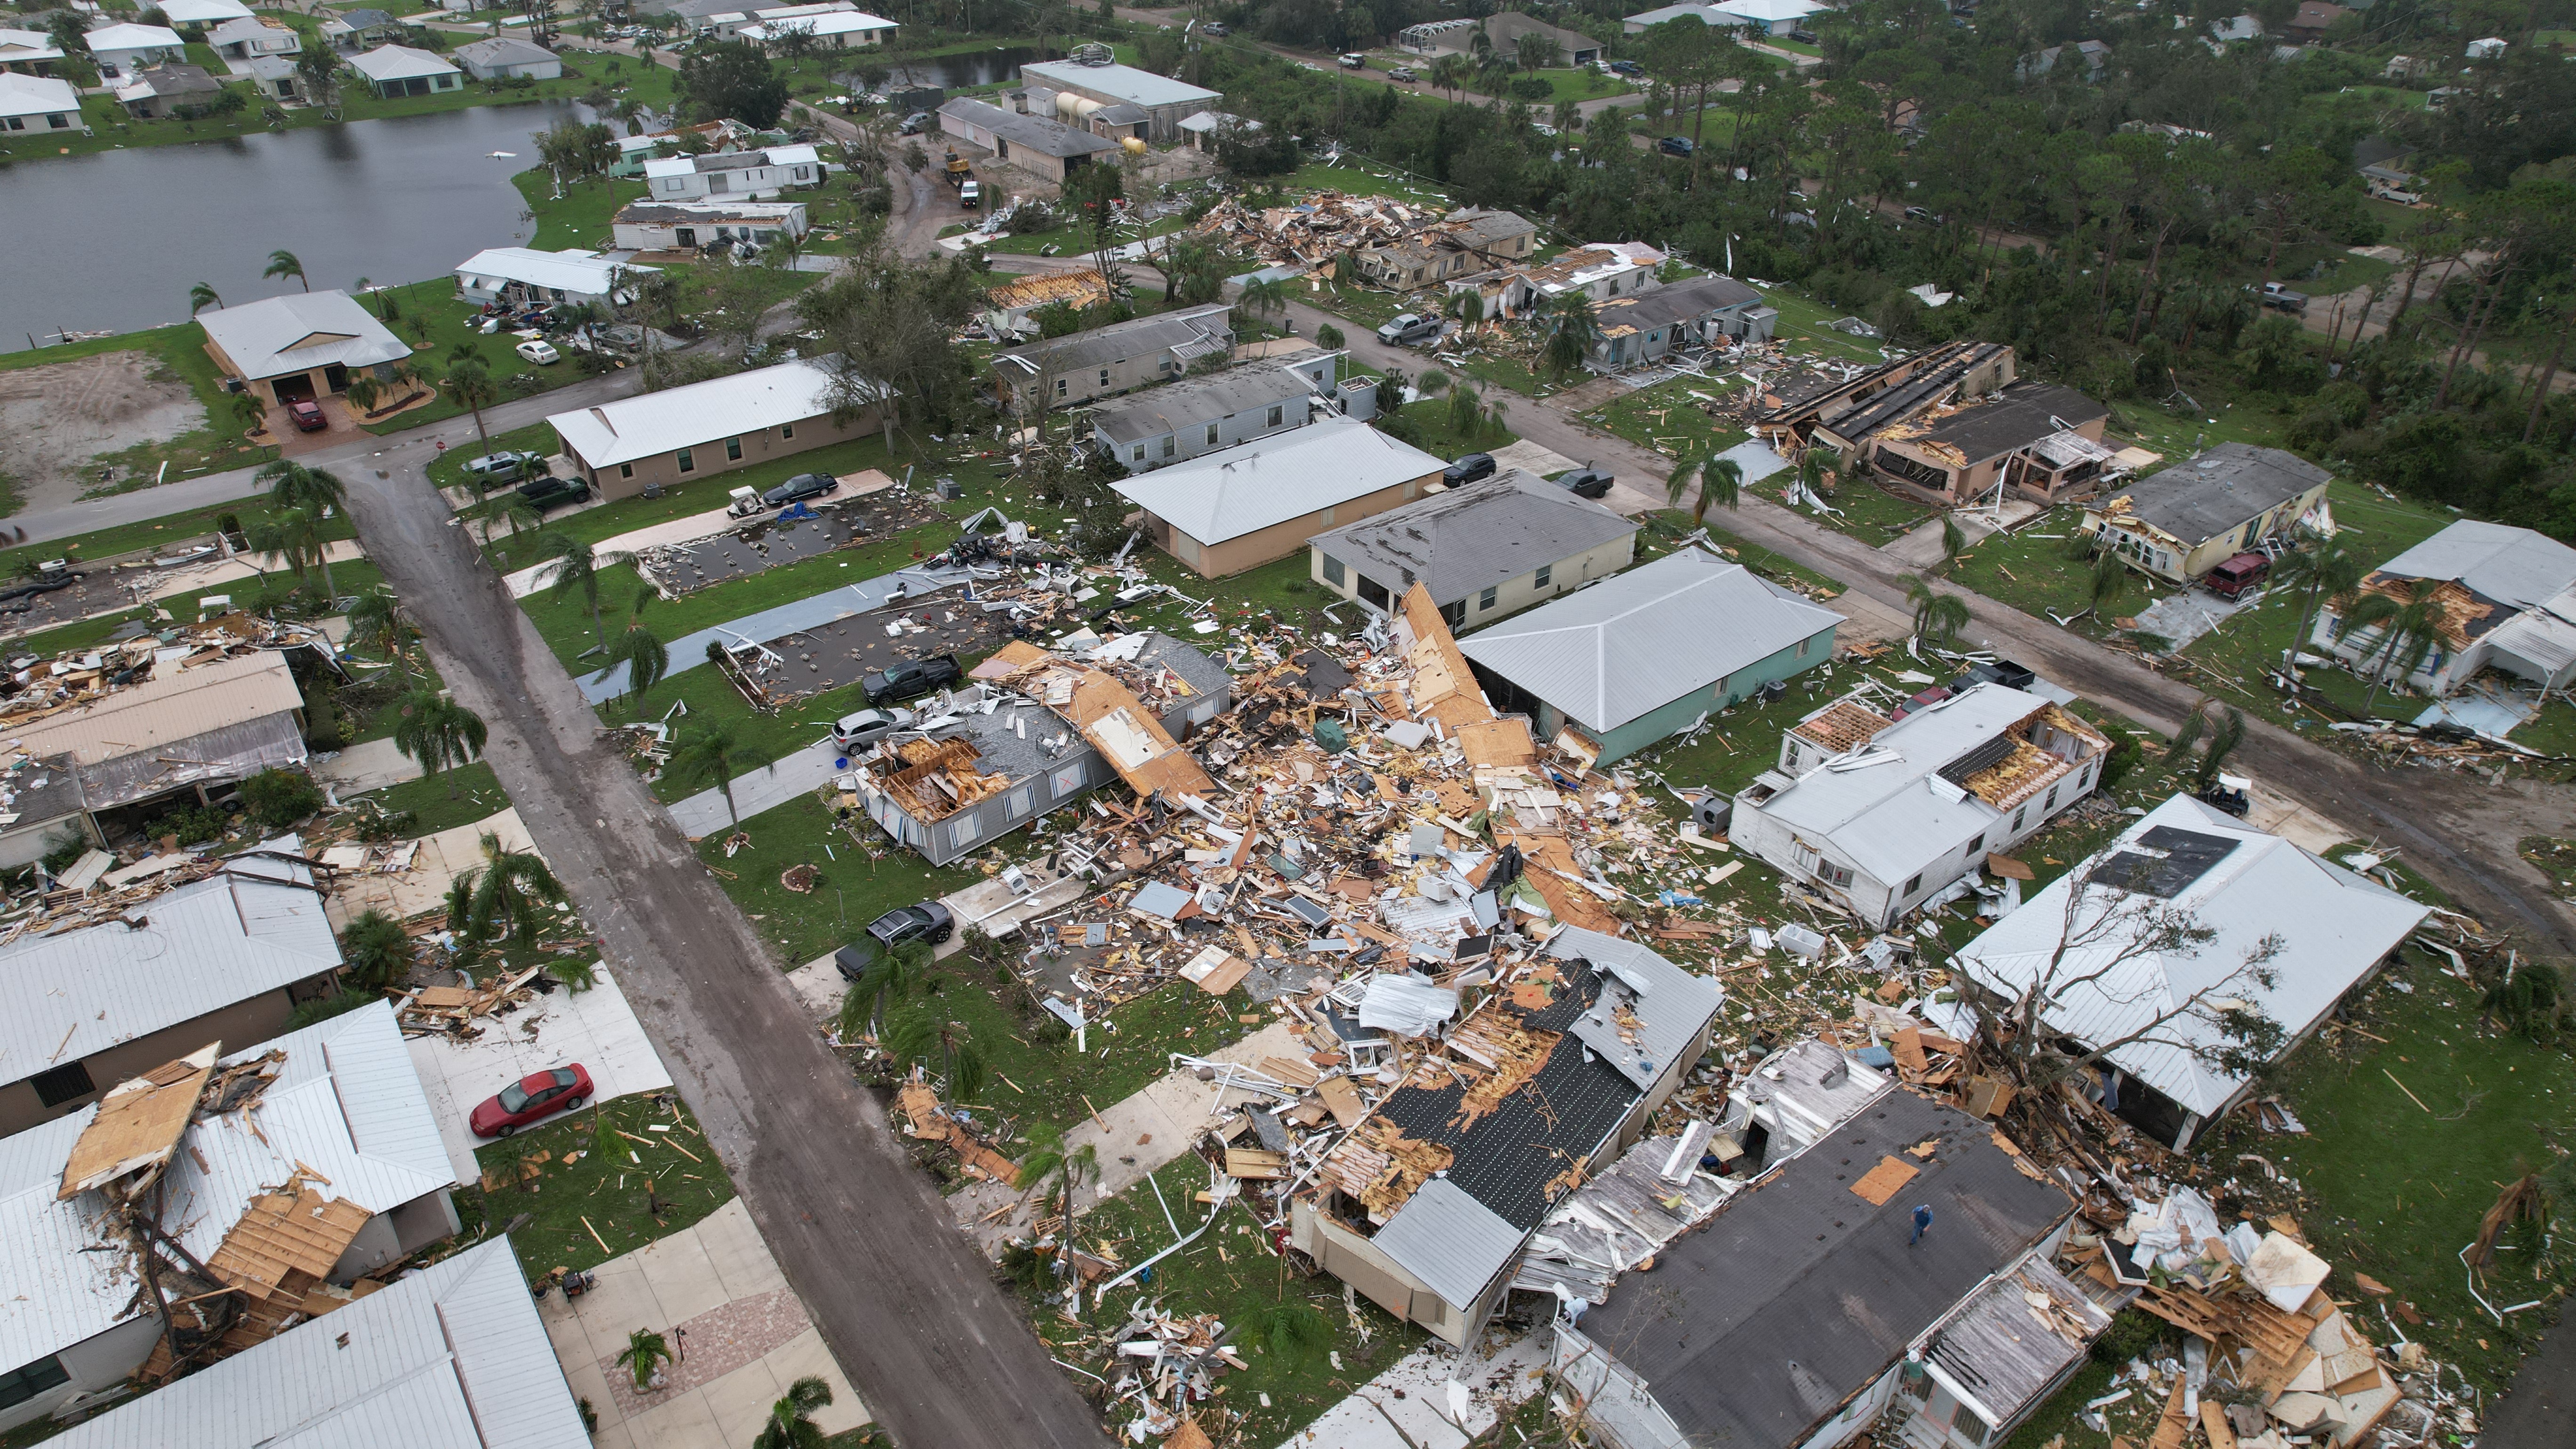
x: 913, y: 676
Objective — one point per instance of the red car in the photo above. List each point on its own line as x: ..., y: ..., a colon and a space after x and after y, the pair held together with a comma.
x: 308, y: 415
x: 563, y: 1089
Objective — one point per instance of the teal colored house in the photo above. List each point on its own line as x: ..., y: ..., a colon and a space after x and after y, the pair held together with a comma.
x: 1641, y: 655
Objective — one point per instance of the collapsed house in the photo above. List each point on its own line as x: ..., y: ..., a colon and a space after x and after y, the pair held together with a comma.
x: 2084, y: 944
x: 1688, y: 316
x: 1429, y: 1200
x: 1249, y: 400
x: 1905, y: 1267
x: 1880, y: 815
x: 451, y: 1357
x: 1073, y: 369
x: 1599, y: 270
x: 2035, y: 439
x: 1841, y: 407
x: 209, y: 1204
x: 2180, y: 523
x: 1397, y: 244
x: 1008, y: 304
x: 2508, y: 602
x: 1046, y: 729
x: 228, y: 956
x: 1643, y: 655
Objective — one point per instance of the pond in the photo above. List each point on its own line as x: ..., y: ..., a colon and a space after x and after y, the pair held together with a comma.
x: 396, y: 200
x: 961, y: 70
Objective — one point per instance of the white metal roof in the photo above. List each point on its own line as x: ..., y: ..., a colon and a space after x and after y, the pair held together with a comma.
x: 2544, y: 635
x: 1667, y: 1005
x: 1450, y: 1241
x: 1244, y: 489
x: 1769, y: 11
x: 570, y: 270
x: 200, y: 12
x: 35, y: 95
x: 131, y: 37
x: 346, y: 1103
x: 1126, y: 82
x: 2499, y: 561
x: 505, y: 50
x: 685, y: 417
x: 452, y: 1357
x: 828, y: 20
x: 200, y: 948
x: 1886, y: 818
x: 18, y: 45
x: 299, y: 331
x: 1705, y: 14
x: 2334, y: 927
x: 1637, y: 641
x: 400, y: 62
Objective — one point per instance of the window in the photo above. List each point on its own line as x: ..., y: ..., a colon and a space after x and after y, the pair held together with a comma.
x: 1976, y: 845
x: 62, y: 1084
x: 1911, y: 886
x: 1455, y: 614
x: 1545, y: 572
x: 1059, y: 387
x: 688, y: 460
x: 625, y: 470
x: 1104, y: 377
x: 1211, y: 435
x: 1278, y: 415
x: 786, y: 431
x: 2018, y: 817
x: 2051, y: 802
x: 1169, y: 443
x: 19, y: 1385
x: 1834, y: 875
x: 1334, y: 573
x: 733, y: 450
x: 1802, y: 647
x: 1140, y: 454
x: 1485, y: 600
x: 1790, y: 759
x: 2085, y: 778
x: 14, y: 123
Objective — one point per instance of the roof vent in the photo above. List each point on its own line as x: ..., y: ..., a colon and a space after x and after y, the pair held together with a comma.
x: 602, y: 415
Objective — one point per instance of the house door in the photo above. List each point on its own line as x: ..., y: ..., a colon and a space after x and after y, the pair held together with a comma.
x: 337, y: 377
x: 687, y: 237
x: 716, y: 184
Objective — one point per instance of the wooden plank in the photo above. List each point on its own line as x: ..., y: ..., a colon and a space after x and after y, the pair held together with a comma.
x: 1908, y: 1047
x: 1342, y: 1099
x: 1252, y: 1162
x: 1883, y: 1181
x: 2213, y: 1417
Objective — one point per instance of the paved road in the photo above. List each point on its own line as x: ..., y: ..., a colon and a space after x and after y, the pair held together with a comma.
x: 939, y: 1355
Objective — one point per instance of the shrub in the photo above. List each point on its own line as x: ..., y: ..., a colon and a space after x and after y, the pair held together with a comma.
x: 376, y: 951
x: 1532, y: 88
x: 279, y: 798
x: 189, y: 827
x: 323, y: 1008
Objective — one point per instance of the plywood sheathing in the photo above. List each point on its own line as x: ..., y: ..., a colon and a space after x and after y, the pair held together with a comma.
x: 139, y: 1123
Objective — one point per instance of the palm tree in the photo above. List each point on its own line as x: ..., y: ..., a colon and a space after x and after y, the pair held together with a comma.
x: 1058, y: 1168
x: 644, y: 1352
x: 376, y: 621
x: 646, y: 659
x: 298, y: 536
x: 438, y: 732
x: 282, y: 263
x: 2111, y: 580
x: 1721, y: 480
x: 362, y: 392
x: 1572, y: 329
x: 511, y: 895
x: 571, y: 563
x: 1450, y: 72
x: 1820, y: 461
x: 474, y: 390
x: 201, y: 297
x: 249, y: 411
x: 2410, y: 632
x: 1468, y: 307
x: 921, y: 1031
x: 1954, y: 541
x: 1264, y: 297
x: 514, y: 509
x: 2322, y: 571
x: 789, y: 1425
x: 884, y: 983
x: 713, y: 754
x: 292, y: 485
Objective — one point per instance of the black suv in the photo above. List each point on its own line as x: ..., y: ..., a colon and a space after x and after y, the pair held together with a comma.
x: 913, y: 676
x: 930, y: 921
x: 547, y: 491
x: 1468, y: 469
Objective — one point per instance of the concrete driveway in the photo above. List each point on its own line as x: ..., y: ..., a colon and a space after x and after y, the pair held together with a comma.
x: 596, y: 1029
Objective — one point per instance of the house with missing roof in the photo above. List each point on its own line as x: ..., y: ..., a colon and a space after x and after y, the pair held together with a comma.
x: 1224, y: 512
x: 2036, y: 439
x: 692, y: 226
x: 524, y: 274
x: 452, y: 1357
x: 226, y: 958
x: 1486, y: 550
x: 1179, y: 421
x: 2181, y: 522
x: 2330, y: 928
x: 278, y: 1175
x: 2508, y: 601
x: 1843, y: 411
x: 301, y: 345
x: 1649, y: 653
x: 1073, y: 369
x: 659, y: 439
x: 1884, y: 814
x: 1426, y: 1205
x: 1467, y: 241
x: 1803, y: 1308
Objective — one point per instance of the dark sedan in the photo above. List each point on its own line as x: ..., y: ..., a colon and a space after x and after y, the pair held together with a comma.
x: 800, y: 488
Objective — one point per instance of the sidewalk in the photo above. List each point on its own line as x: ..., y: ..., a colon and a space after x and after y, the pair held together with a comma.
x: 523, y: 582
x: 716, y: 1293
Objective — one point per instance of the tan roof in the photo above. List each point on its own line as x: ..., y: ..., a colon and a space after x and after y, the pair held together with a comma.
x: 287, y: 1242
x: 177, y: 702
x: 1845, y: 724
x: 1037, y: 289
x: 138, y: 1123
x: 1114, y: 720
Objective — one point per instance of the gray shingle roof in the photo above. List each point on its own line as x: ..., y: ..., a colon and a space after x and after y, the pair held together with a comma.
x: 1138, y: 337
x: 1694, y: 298
x: 2202, y: 497
x: 1198, y: 400
x: 1470, y: 539
x: 1640, y: 640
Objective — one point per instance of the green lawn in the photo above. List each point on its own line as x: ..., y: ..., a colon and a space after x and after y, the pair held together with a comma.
x: 1070, y: 240
x: 1802, y: 330
x: 436, y: 322
x: 580, y: 218
x: 176, y: 530
x: 1567, y: 83
x: 447, y: 799
x: 603, y: 1202
x: 1362, y: 177
x: 2177, y: 432
x: 1667, y: 418
x: 1867, y: 511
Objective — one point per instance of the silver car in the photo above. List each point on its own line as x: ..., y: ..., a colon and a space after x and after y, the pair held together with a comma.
x: 853, y: 731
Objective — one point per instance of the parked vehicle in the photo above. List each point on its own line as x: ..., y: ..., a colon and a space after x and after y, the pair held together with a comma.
x: 1407, y: 328
x: 1925, y: 214
x: 540, y: 1094
x: 1675, y: 146
x: 1468, y: 469
x: 1626, y: 67
x: 970, y: 195
x: 538, y: 351
x: 547, y: 491
x: 1213, y: 27
x: 1355, y: 62
x: 2226, y: 797
x: 2282, y: 299
x: 916, y: 123
x: 1587, y: 482
x: 2002, y: 671
x: 929, y: 921
x: 1404, y: 73
x: 913, y: 676
x: 799, y: 488
x: 1924, y: 700
x: 573, y: 1281
x: 307, y: 415
x: 504, y: 467
x: 2233, y: 577
x: 851, y: 731
x: 1803, y: 36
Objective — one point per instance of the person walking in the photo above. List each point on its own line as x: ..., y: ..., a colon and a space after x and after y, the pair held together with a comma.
x: 1922, y: 1223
